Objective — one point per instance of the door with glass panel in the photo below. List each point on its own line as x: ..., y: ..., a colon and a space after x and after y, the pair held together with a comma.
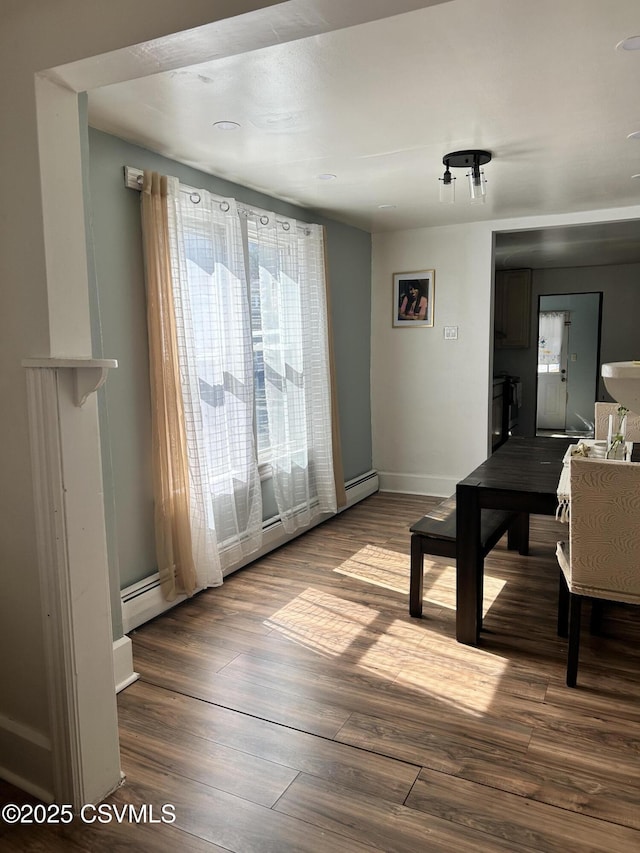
x: 553, y: 335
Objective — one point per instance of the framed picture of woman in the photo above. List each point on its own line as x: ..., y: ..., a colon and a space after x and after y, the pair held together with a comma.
x: 413, y: 299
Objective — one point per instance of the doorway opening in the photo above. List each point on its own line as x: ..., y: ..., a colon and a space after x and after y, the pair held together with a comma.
x: 568, y: 355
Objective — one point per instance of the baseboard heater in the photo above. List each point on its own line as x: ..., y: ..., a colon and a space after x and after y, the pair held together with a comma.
x: 143, y: 600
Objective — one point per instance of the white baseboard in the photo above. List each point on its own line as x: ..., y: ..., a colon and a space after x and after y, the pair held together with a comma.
x: 141, y: 606
x: 360, y: 488
x: 144, y: 600
x: 416, y: 484
x: 123, y: 664
x: 26, y: 759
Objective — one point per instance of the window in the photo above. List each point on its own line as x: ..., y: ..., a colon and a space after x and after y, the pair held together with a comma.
x: 262, y: 416
x: 240, y: 368
x: 551, y: 328
x: 251, y: 312
x: 204, y: 256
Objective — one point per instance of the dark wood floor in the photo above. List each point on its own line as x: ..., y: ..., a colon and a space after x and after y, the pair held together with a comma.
x: 300, y: 708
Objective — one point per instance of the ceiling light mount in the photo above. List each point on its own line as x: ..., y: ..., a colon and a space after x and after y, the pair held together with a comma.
x: 226, y: 125
x: 631, y: 43
x: 472, y: 160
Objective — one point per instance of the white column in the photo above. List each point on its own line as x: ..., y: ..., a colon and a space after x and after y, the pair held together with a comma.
x: 73, y: 572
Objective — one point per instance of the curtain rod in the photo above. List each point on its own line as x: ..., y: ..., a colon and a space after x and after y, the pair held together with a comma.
x: 133, y: 181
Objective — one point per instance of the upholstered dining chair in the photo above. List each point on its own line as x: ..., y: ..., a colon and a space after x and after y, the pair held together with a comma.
x: 601, y: 560
x: 603, y: 410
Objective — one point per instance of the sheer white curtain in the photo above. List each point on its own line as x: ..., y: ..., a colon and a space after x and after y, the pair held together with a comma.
x: 550, y: 336
x: 288, y: 262
x: 216, y: 367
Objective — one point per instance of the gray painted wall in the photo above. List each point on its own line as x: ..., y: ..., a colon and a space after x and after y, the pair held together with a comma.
x: 119, y: 329
x: 97, y: 351
x: 620, y: 340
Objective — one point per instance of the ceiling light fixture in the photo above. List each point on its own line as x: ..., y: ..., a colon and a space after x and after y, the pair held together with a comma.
x: 226, y: 125
x: 326, y: 176
x: 631, y: 43
x: 472, y: 160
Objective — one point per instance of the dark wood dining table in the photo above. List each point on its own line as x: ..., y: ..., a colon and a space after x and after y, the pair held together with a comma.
x: 521, y: 476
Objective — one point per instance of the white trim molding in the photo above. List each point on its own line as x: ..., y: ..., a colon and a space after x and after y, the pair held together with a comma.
x: 123, y: 671
x: 71, y: 545
x: 26, y: 759
x: 89, y: 374
x: 361, y: 487
x: 417, y: 484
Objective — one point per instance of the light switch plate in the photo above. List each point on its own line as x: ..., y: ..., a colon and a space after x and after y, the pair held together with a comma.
x: 451, y: 333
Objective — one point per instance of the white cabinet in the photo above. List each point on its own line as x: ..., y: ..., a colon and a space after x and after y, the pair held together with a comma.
x: 512, y: 318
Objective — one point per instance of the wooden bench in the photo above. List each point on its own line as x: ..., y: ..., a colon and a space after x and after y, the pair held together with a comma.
x: 435, y: 534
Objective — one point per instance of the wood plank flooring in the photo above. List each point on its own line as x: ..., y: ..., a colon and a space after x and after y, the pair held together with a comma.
x: 300, y: 708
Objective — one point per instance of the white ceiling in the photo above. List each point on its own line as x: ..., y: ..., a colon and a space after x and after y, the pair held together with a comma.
x: 539, y: 84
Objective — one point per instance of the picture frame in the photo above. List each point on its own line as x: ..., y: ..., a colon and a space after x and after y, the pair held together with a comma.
x: 413, y: 298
